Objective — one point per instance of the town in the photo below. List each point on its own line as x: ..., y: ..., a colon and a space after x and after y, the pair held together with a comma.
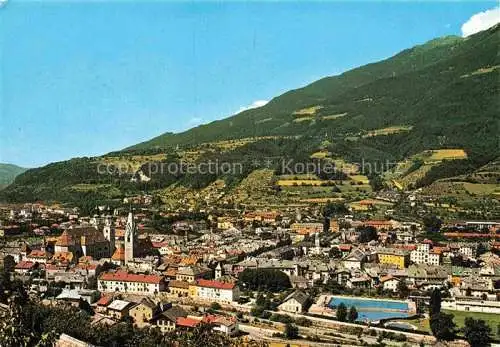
x: 318, y: 275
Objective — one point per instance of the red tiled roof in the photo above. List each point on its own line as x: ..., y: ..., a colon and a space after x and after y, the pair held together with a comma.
x: 119, y: 254
x: 25, y: 265
x: 129, y: 277
x: 65, y: 240
x: 406, y: 247
x: 386, y: 278
x: 215, y: 284
x: 378, y: 222
x: 187, y: 322
x: 37, y: 254
x: 216, y: 319
x: 345, y: 247
x: 104, y: 301
x: 159, y: 244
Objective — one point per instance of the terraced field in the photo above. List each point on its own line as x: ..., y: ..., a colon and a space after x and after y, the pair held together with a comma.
x: 308, y: 111
x: 442, y: 154
x: 408, y: 172
x: 388, y: 131
x: 334, y: 116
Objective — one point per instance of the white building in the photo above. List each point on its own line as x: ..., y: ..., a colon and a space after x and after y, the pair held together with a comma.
x: 295, y: 302
x: 217, y: 291
x: 424, y: 255
x: 225, y: 325
x: 389, y: 283
x: 129, y: 283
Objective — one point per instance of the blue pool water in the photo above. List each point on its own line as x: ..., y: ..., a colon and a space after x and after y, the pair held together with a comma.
x: 373, y: 310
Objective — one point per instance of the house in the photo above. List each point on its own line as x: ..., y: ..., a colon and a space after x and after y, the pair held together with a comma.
x: 192, y: 273
x: 299, y: 282
x: 389, y: 283
x: 166, y: 320
x: 342, y: 276
x: 362, y: 281
x: 70, y: 297
x: 424, y: 255
x: 345, y: 249
x: 129, y: 283
x: 295, y: 303
x: 179, y: 288
x: 355, y: 259
x: 101, y: 306
x: 225, y: 325
x: 307, y: 228
x: 187, y: 323
x: 119, y: 309
x: 38, y: 256
x: 380, y: 224
x: 24, y: 267
x: 216, y: 291
x: 395, y: 256
x: 143, y: 312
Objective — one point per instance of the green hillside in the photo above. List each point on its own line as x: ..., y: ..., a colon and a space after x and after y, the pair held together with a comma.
x: 8, y: 173
x: 442, y: 94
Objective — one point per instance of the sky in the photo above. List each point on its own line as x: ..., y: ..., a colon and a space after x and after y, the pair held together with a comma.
x: 86, y: 78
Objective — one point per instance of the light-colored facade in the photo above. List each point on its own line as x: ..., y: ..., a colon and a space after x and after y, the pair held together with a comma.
x: 216, y: 291
x: 424, y: 255
x: 124, y: 282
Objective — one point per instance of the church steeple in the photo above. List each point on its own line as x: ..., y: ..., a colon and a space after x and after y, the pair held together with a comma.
x: 109, y: 234
x: 130, y: 230
x: 218, y: 271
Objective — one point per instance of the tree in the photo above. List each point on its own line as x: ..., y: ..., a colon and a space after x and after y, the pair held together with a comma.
x: 353, y: 314
x: 476, y: 332
x: 215, y: 306
x: 291, y: 331
x: 432, y: 223
x: 335, y: 252
x: 376, y: 182
x: 435, y: 302
x: 367, y: 234
x: 332, y: 209
x: 268, y: 279
x: 9, y: 263
x: 402, y: 289
x: 341, y: 312
x: 326, y: 224
x: 443, y: 327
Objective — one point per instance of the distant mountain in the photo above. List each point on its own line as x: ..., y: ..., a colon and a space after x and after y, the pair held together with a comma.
x: 8, y: 173
x: 439, y: 95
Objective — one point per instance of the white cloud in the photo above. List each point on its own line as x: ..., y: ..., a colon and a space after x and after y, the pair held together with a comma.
x: 195, y: 121
x: 481, y: 21
x: 255, y: 104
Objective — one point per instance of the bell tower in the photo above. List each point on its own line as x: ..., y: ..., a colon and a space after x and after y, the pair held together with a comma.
x: 130, y: 230
x: 109, y: 234
x: 218, y: 271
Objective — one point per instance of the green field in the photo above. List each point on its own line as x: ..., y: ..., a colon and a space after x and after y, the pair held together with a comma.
x: 492, y: 319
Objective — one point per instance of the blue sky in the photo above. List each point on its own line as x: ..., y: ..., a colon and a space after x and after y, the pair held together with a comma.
x: 83, y: 79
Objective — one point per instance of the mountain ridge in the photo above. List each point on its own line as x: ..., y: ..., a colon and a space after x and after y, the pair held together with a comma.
x: 441, y: 94
x: 8, y: 173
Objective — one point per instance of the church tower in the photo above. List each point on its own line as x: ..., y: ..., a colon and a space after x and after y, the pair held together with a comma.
x: 109, y: 234
x: 130, y: 230
x: 317, y: 243
x: 218, y: 271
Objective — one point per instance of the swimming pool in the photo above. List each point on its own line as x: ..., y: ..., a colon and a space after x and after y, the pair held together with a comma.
x: 372, y: 310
